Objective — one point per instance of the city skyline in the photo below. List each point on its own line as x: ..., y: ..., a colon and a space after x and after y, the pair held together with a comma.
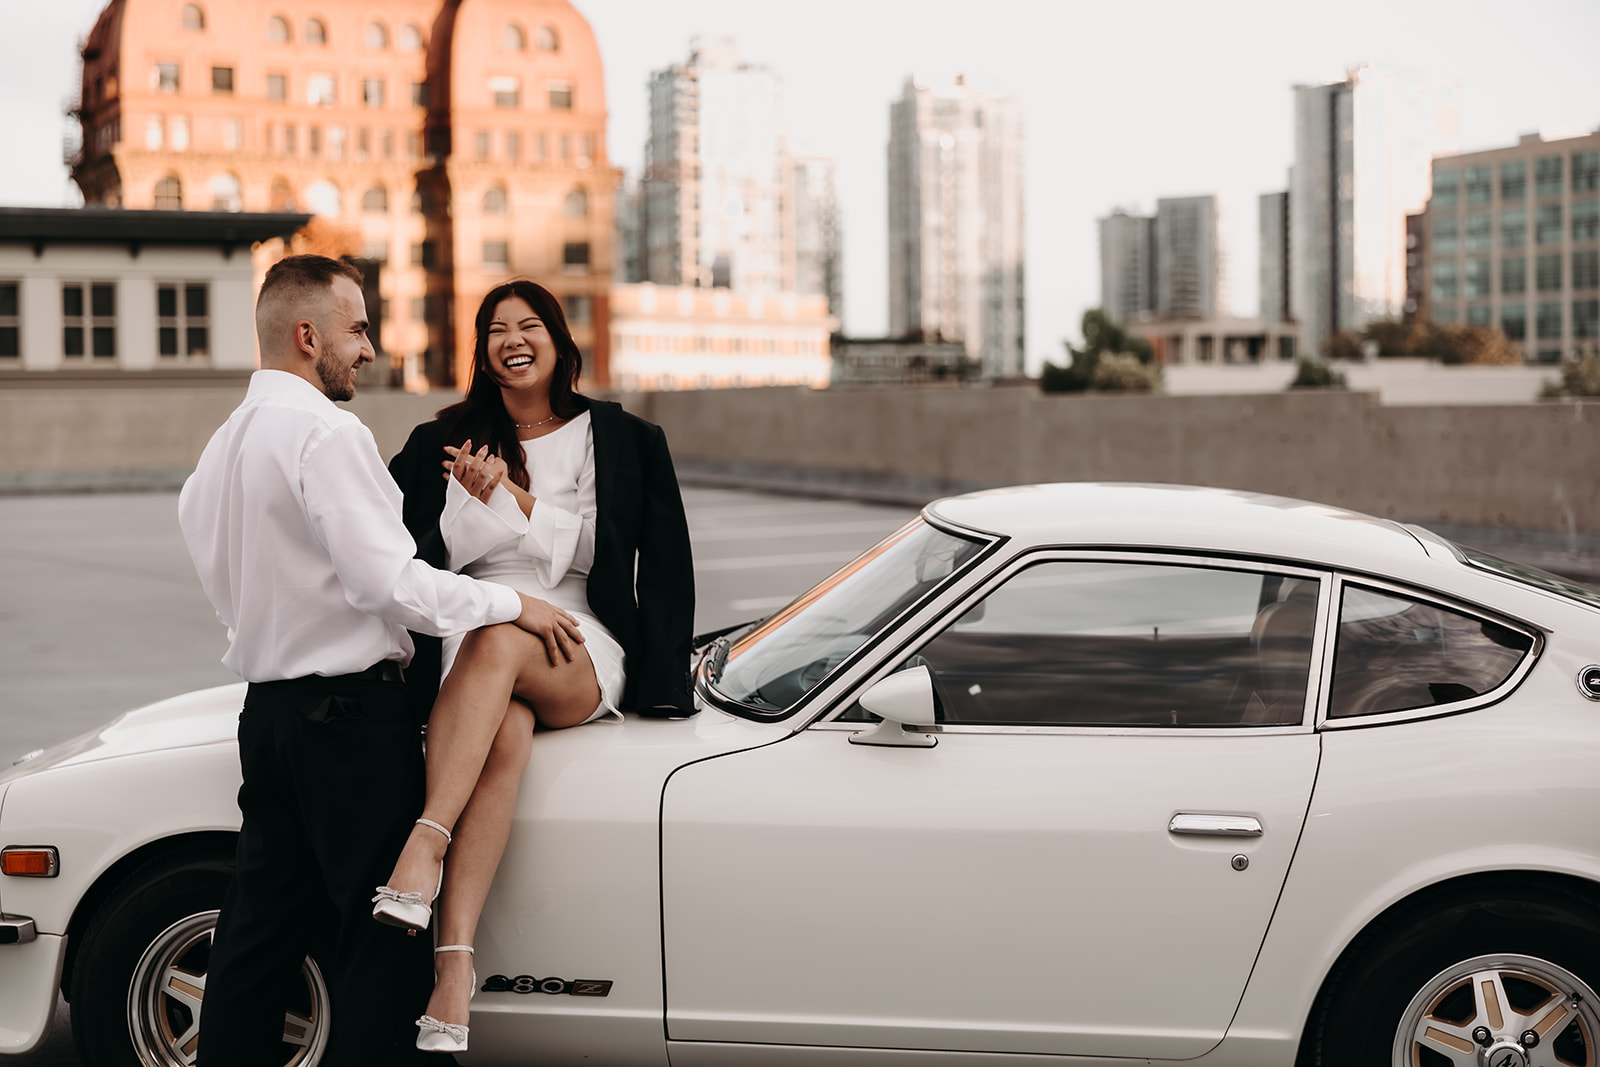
x: 1204, y: 107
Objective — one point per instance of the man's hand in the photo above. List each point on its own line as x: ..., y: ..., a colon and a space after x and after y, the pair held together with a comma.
x: 557, y: 629
x: 478, y: 472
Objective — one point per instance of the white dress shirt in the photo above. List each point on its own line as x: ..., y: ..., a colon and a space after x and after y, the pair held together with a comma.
x: 294, y: 526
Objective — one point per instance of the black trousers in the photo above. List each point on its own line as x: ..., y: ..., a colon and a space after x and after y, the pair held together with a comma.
x: 333, y: 777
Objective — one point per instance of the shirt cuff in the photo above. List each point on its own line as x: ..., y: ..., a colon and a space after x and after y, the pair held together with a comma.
x: 472, y: 528
x: 506, y: 605
x: 552, y: 535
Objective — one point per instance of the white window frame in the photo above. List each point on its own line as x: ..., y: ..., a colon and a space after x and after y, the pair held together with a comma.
x: 88, y: 322
x: 182, y: 322
x: 14, y: 321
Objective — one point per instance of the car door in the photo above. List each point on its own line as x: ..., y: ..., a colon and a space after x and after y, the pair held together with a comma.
x: 1084, y: 864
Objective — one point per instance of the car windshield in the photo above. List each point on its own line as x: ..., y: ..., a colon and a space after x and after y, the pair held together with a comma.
x: 788, y: 655
x: 1550, y: 583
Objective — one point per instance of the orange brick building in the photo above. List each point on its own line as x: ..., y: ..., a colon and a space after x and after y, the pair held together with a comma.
x: 455, y: 143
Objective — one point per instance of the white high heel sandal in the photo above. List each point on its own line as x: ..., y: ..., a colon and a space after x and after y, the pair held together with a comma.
x: 409, y: 909
x: 436, y: 1035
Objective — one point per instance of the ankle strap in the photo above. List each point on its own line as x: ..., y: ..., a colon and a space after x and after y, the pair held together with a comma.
x: 435, y: 826
x: 455, y: 948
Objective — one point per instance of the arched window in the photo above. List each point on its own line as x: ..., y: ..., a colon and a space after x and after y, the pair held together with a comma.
x: 169, y: 194
x: 548, y: 41
x: 193, y: 17
x: 576, y: 205
x: 377, y: 36
x: 316, y: 32
x: 512, y: 38
x: 226, y: 194
x: 278, y: 30
x: 282, y: 197
x: 324, y: 198
x: 494, y: 200
x: 410, y: 38
x: 375, y: 200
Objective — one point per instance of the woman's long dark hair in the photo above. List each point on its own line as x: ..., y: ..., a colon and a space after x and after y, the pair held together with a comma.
x: 482, y: 416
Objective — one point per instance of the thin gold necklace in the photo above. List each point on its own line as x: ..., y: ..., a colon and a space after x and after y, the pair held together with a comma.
x: 534, y: 425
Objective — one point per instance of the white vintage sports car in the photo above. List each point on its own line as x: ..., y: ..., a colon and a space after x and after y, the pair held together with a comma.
x: 1087, y: 774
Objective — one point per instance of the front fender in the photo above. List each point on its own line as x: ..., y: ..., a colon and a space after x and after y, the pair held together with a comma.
x: 96, y: 813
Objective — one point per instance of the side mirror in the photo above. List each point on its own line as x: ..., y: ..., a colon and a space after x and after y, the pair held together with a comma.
x: 902, y: 699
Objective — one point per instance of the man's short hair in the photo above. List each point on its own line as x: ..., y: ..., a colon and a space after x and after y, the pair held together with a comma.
x: 305, y: 272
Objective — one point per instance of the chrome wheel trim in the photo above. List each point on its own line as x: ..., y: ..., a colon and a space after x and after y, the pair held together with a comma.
x: 167, y: 991
x: 1570, y: 1002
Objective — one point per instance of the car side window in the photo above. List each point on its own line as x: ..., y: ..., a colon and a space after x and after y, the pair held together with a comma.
x: 1398, y: 654
x: 1073, y: 643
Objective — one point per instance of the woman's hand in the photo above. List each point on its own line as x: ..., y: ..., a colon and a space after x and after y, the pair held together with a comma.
x: 478, y: 472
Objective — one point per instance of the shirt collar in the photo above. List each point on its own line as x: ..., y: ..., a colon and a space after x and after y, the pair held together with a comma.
x: 286, y: 388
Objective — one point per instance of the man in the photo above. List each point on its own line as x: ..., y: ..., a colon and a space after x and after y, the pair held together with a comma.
x: 294, y: 526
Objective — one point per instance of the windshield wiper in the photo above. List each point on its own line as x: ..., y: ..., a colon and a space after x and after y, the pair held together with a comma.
x: 701, y: 640
x: 718, y: 659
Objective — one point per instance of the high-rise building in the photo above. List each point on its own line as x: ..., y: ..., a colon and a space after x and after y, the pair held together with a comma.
x: 1273, y: 227
x: 956, y: 221
x: 1166, y: 266
x: 1127, y: 266
x: 714, y: 173
x: 722, y: 203
x: 1362, y: 147
x: 629, y: 241
x: 1188, y: 258
x: 813, y: 240
x: 453, y: 145
x: 1511, y: 238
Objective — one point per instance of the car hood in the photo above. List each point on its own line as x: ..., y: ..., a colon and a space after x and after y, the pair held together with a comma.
x: 203, y: 717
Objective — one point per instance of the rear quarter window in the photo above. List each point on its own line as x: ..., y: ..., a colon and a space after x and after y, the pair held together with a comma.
x: 1394, y: 653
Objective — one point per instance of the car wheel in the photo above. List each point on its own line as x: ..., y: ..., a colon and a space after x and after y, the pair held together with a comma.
x: 1505, y: 981
x: 138, y: 984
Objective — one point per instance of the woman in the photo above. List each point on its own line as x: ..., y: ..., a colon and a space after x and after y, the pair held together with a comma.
x: 567, y: 499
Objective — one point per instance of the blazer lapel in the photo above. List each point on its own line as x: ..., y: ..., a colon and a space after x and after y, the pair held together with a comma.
x: 602, y: 424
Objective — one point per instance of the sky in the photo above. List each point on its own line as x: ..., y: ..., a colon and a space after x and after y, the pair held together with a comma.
x: 1124, y: 102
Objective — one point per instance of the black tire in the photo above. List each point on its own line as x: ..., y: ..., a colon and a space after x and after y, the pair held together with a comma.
x: 1429, y: 946
x: 167, y: 900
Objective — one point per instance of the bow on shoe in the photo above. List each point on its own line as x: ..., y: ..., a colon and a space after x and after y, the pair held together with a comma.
x: 385, y: 893
x: 457, y: 1031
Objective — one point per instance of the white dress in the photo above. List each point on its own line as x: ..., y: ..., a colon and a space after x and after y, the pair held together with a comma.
x: 546, y: 554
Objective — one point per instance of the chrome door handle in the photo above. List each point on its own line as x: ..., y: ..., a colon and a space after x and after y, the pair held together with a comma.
x: 1215, y: 825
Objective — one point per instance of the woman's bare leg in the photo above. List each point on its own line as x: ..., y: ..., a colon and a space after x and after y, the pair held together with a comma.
x: 493, y: 664
x: 484, y: 826
x: 474, y: 857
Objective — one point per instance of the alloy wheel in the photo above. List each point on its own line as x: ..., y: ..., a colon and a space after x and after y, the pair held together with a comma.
x: 168, y: 989
x: 1500, y: 1011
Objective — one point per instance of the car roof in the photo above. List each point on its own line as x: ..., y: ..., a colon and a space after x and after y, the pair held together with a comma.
x: 1226, y: 521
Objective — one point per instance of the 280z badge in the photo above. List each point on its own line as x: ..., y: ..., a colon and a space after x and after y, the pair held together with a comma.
x: 527, y: 983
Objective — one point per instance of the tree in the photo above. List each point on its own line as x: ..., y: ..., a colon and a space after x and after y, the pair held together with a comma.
x: 1124, y: 372
x: 1346, y: 344
x: 1580, y: 377
x: 1100, y: 336
x: 1479, y: 345
x: 1316, y: 374
x: 1471, y: 344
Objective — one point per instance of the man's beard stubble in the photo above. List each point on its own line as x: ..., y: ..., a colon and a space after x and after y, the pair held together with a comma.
x: 336, y: 379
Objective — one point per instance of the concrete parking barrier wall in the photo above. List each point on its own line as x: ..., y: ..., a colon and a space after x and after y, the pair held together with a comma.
x: 1524, y: 466
x: 1527, y: 466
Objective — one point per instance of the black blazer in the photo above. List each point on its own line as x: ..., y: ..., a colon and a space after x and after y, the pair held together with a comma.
x: 639, y: 523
